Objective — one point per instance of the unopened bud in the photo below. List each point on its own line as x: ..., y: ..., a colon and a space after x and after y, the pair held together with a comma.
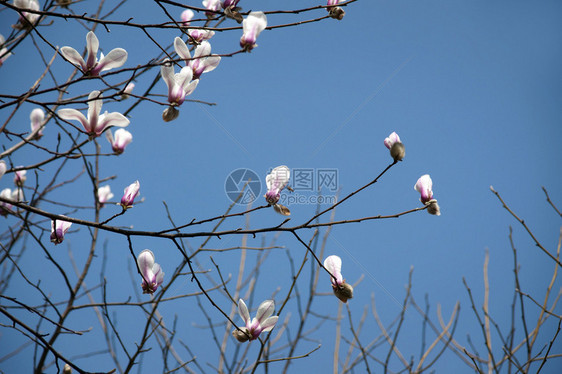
x: 343, y: 292
x: 281, y: 209
x: 170, y: 114
x: 241, y: 336
x: 398, y: 151
x: 337, y: 13
x: 433, y: 207
x: 67, y: 369
x: 234, y: 13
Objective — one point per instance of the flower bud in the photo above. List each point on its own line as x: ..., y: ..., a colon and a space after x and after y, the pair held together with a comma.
x: 336, y: 13
x: 398, y: 151
x: 241, y: 336
x: 170, y: 114
x: 343, y: 291
x: 282, y: 209
x: 433, y: 207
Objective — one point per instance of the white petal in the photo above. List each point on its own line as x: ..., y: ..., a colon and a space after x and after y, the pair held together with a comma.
x: 278, y: 178
x: 269, y: 323
x: 333, y: 265
x: 265, y: 310
x: 167, y: 72
x: 211, y: 63
x: 203, y: 49
x: 191, y: 87
x: 94, y: 108
x: 92, y: 45
x: 181, y: 48
x: 145, y: 261
x: 184, y: 77
x: 243, y: 311
x: 74, y: 57
x: 114, y: 59
x: 73, y: 114
x: 110, y: 120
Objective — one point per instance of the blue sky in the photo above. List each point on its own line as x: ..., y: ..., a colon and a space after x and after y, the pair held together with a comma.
x: 472, y: 88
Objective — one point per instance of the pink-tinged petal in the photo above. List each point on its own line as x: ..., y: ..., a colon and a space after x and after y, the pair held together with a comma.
x: 392, y: 138
x: 333, y: 265
x: 265, y: 310
x: 72, y: 114
x: 278, y: 178
x: 37, y: 117
x: 74, y: 57
x: 269, y: 324
x: 92, y: 46
x: 145, y: 261
x: 211, y: 63
x: 122, y: 139
x: 159, y: 274
x: 58, y: 230
x: 203, y: 49
x: 181, y: 49
x: 243, y: 311
x: 94, y: 108
x: 113, y: 119
x: 186, y: 16
x: 252, y: 26
x: 424, y: 186
x: 114, y: 59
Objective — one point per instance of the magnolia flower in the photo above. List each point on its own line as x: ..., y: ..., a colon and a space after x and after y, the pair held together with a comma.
x: 335, y: 11
x: 253, y: 25
x: 37, y: 118
x: 179, y: 85
x: 3, y: 168
x: 342, y: 290
x: 4, y: 54
x: 129, y: 195
x: 213, y: 6
x: 27, y: 19
x: 151, y: 272
x: 275, y: 182
x: 127, y: 90
x: 200, y: 35
x: 424, y: 186
x: 92, y: 66
x: 397, y: 150
x: 5, y: 207
x: 261, y: 323
x: 202, y: 61
x: 58, y: 229
x: 20, y: 177
x: 95, y: 124
x: 104, y: 194
x: 17, y: 195
x: 121, y: 140
x: 186, y: 17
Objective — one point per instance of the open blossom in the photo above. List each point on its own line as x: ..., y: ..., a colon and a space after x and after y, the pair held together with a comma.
x: 200, y: 35
x: 275, y: 182
x: 27, y: 18
x: 37, y: 117
x: 397, y: 150
x: 104, y: 194
x: 20, y: 177
x: 342, y: 290
x: 424, y: 186
x: 121, y: 140
x: 252, y: 26
x: 152, y: 274
x: 4, y: 54
x: 262, y: 322
x: 129, y: 195
x: 213, y: 6
x: 179, y: 86
x: 58, y: 229
x: 95, y: 124
x: 202, y: 61
x: 335, y: 11
x: 186, y: 17
x: 92, y: 66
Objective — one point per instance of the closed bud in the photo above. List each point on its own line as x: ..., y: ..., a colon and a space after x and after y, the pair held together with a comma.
x: 433, y: 207
x: 337, y: 13
x: 343, y: 291
x: 67, y: 369
x: 398, y: 151
x: 170, y: 114
x: 241, y: 336
x: 282, y: 209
